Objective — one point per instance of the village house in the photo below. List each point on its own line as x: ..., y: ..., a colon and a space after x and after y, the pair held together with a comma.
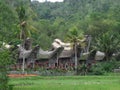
x: 62, y: 55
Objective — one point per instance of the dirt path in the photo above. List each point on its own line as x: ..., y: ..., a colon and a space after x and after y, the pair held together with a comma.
x: 21, y: 75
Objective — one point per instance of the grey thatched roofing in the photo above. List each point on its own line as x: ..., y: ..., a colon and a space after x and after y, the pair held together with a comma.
x: 58, y: 43
x: 99, y: 55
x: 66, y: 53
x: 49, y: 54
x: 60, y: 49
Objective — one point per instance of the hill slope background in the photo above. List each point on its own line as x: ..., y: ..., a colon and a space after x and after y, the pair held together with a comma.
x: 54, y: 20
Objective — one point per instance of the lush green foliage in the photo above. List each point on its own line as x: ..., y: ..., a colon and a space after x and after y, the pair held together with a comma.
x: 53, y: 20
x: 109, y: 43
x: 8, y: 22
x: 101, y: 68
x: 5, y: 61
x: 67, y: 83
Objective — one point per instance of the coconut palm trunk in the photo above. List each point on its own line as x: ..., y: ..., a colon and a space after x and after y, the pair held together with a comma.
x: 23, y: 65
x: 76, y: 61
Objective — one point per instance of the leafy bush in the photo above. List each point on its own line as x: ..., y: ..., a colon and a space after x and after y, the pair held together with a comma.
x: 108, y: 66
x: 4, y: 63
x: 97, y: 69
x: 82, y: 69
x: 104, y: 67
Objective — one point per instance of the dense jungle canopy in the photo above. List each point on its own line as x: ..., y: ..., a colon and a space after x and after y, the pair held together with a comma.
x: 47, y: 21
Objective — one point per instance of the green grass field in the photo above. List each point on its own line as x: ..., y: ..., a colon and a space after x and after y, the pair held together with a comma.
x: 67, y: 83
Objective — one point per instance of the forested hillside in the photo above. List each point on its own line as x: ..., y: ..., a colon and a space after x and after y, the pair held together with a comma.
x: 47, y: 21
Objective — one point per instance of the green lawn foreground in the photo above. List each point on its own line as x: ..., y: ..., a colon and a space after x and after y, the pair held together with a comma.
x: 66, y: 83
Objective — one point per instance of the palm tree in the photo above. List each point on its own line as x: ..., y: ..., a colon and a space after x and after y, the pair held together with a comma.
x: 25, y: 28
x: 75, y: 37
x: 22, y: 18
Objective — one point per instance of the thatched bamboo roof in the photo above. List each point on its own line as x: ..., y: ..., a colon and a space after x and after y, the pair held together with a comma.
x: 49, y: 54
x: 66, y: 54
x: 58, y: 43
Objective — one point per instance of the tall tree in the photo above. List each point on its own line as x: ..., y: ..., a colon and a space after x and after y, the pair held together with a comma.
x: 5, y: 61
x: 22, y: 18
x: 74, y: 37
x: 7, y: 22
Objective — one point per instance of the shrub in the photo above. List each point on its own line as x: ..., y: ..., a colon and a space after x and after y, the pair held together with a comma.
x: 4, y: 63
x: 101, y: 68
x: 108, y: 66
x: 97, y: 69
x: 82, y: 69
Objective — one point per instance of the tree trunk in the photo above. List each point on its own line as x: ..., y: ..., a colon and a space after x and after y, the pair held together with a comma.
x: 76, y: 61
x: 23, y: 65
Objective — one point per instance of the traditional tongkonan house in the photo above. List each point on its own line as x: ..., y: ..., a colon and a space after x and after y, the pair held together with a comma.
x: 61, y: 56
